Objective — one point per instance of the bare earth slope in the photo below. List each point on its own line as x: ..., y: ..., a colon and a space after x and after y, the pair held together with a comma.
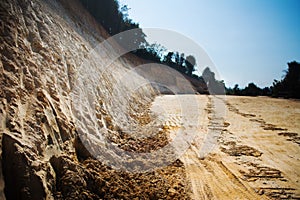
x: 256, y: 154
x: 46, y: 50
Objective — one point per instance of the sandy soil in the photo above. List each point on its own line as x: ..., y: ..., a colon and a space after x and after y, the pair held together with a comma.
x: 242, y: 148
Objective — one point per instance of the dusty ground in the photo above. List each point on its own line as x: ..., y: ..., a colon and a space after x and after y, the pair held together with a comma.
x: 244, y: 147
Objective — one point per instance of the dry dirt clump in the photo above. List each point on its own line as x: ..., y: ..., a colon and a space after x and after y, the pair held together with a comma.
x: 139, y: 145
x: 92, y: 180
x: 258, y: 172
x: 291, y: 137
x: 232, y: 146
x: 233, y: 149
x: 237, y: 111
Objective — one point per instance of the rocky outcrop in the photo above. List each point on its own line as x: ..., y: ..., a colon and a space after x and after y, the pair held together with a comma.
x: 46, y: 51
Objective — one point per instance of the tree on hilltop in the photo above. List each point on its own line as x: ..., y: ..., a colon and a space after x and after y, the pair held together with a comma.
x: 190, y: 63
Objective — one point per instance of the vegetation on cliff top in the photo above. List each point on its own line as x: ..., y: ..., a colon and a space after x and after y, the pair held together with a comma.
x: 115, y: 19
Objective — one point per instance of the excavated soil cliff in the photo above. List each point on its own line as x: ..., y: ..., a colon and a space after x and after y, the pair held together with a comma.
x: 46, y: 55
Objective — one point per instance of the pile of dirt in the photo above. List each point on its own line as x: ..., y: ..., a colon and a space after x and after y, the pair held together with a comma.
x: 90, y: 179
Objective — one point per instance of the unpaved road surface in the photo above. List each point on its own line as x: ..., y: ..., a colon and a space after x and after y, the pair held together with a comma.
x: 242, y: 147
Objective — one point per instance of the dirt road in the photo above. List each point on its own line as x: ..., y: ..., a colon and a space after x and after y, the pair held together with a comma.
x: 242, y: 147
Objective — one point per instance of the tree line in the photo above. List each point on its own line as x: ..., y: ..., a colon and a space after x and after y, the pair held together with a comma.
x: 114, y: 18
x: 287, y: 87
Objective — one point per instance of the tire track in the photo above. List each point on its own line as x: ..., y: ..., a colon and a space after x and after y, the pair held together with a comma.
x: 266, y: 180
x: 210, y: 178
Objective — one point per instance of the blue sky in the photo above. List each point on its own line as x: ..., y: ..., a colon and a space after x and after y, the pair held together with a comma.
x: 247, y: 40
